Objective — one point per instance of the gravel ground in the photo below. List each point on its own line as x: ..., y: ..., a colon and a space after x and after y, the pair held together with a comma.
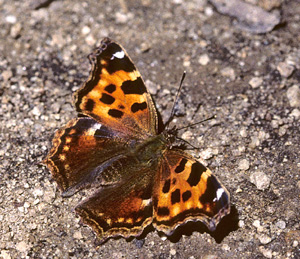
x: 250, y: 81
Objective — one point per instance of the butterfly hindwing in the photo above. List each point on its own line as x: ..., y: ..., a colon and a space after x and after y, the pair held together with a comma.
x: 115, y: 93
x: 187, y: 191
x: 121, y: 210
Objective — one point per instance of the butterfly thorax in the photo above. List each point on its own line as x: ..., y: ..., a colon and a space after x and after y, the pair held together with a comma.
x: 150, y: 150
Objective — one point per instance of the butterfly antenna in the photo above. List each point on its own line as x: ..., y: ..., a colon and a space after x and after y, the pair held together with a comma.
x: 175, y: 101
x: 199, y: 122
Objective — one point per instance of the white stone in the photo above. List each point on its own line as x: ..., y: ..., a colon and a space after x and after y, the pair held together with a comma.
x: 264, y: 239
x: 244, y: 164
x: 281, y: 224
x: 228, y: 72
x: 266, y: 252
x: 293, y: 95
x: 85, y: 30
x: 204, y: 60
x: 256, y: 223
x: 260, y: 180
x: 256, y: 82
x: 285, y: 69
x: 172, y: 252
x: 295, y: 113
x: 5, y: 255
x: 11, y: 19
x: 77, y: 235
x: 22, y: 246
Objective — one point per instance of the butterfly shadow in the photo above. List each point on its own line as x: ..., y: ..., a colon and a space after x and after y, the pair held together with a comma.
x: 228, y: 224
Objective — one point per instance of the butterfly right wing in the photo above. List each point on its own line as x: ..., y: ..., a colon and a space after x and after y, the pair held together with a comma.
x: 81, y: 150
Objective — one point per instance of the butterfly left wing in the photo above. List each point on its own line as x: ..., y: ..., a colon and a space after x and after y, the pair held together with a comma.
x: 115, y: 94
x: 187, y: 191
x: 121, y: 210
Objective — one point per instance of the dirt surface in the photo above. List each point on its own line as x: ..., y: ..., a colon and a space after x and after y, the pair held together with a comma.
x: 250, y: 81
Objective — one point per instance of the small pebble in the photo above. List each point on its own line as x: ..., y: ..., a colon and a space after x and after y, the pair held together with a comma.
x: 293, y: 95
x: 228, y: 72
x: 244, y: 164
x: 207, y: 153
x: 22, y: 246
x: 187, y: 135
x: 172, y: 252
x: 256, y: 223
x: 85, y: 30
x: 5, y: 254
x: 260, y: 180
x: 266, y: 252
x: 264, y: 239
x: 77, y: 235
x: 225, y: 247
x: 256, y: 82
x: 295, y: 113
x: 90, y: 40
x: 122, y: 18
x: 6, y: 75
x: 281, y: 224
x: 204, y: 60
x: 241, y: 223
x: 15, y: 30
x: 11, y: 19
x: 285, y: 69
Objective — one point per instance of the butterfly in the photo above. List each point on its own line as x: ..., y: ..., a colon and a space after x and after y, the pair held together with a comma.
x: 135, y: 175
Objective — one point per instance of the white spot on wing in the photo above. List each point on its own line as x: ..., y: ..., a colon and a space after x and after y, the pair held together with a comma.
x: 219, y: 193
x: 119, y: 55
x: 147, y: 202
x: 97, y: 126
x: 91, y: 131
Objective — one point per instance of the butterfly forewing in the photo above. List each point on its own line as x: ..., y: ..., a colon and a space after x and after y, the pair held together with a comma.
x: 80, y: 152
x: 115, y: 93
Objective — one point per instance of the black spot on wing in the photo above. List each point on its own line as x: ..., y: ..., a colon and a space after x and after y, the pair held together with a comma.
x: 175, y: 196
x: 110, y: 88
x: 107, y: 99
x: 89, y: 105
x: 147, y: 193
x: 195, y: 175
x: 134, y: 87
x: 115, y: 64
x: 163, y: 211
x: 115, y: 113
x: 186, y: 195
x: 166, y: 187
x: 138, y: 107
x: 181, y: 166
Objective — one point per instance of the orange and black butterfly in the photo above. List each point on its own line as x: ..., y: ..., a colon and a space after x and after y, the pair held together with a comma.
x: 114, y: 147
